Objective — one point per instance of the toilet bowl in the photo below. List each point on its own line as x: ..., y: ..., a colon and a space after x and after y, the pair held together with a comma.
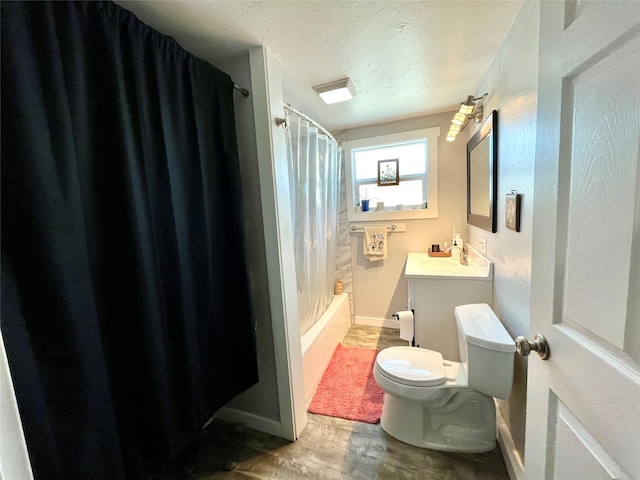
x: 431, y: 402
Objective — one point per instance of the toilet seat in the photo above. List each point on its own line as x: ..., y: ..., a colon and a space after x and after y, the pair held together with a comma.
x: 416, y: 367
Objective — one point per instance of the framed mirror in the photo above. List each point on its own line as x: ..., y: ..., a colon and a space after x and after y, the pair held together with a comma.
x: 482, y: 175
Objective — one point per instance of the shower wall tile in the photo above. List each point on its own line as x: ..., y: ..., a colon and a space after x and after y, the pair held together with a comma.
x: 352, y: 306
x: 343, y: 223
x: 345, y: 275
x: 343, y: 262
x: 344, y: 270
x: 343, y: 231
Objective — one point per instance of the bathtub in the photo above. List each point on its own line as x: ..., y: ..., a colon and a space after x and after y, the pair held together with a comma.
x: 321, y: 340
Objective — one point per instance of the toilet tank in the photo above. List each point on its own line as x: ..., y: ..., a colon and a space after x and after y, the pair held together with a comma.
x: 486, y: 350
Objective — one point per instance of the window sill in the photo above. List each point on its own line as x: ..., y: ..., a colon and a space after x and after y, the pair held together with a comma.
x: 382, y: 215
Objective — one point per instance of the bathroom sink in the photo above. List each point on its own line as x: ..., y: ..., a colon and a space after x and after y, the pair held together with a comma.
x: 421, y: 265
x: 436, y: 286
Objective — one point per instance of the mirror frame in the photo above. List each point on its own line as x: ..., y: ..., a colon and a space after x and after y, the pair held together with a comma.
x: 489, y: 128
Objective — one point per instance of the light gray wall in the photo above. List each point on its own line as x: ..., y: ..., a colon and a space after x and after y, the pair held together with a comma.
x: 262, y: 398
x: 380, y: 288
x: 512, y: 83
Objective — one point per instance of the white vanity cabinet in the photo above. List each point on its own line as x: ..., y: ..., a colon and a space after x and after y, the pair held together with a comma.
x: 436, y: 286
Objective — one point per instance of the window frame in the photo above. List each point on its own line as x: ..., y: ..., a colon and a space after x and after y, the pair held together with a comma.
x: 430, y: 178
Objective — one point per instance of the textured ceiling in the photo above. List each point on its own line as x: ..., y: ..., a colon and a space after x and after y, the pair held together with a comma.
x: 406, y: 59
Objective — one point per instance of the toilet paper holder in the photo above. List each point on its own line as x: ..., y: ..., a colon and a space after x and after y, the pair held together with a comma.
x: 396, y: 315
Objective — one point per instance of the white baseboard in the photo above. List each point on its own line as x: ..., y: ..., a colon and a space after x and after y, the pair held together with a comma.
x: 377, y: 322
x: 250, y: 420
x: 511, y: 457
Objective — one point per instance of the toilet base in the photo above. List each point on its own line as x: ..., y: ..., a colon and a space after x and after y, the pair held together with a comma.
x: 465, y: 423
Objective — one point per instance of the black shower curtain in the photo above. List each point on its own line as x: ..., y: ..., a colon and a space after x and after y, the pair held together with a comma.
x: 125, y: 302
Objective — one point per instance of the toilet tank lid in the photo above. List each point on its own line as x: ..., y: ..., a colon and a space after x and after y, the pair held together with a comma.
x: 479, y: 326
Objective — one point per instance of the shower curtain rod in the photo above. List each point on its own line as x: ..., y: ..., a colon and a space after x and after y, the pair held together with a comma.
x: 242, y: 90
x: 311, y: 121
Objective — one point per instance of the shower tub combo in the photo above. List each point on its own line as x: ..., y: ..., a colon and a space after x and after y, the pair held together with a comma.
x: 321, y: 340
x: 314, y: 159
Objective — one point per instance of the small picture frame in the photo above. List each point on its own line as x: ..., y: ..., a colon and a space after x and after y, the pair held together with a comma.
x: 512, y: 211
x: 388, y: 172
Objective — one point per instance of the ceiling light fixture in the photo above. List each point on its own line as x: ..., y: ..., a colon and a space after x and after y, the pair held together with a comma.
x: 470, y: 108
x: 337, y: 91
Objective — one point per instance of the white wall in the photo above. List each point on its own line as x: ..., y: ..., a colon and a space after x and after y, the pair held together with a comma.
x: 380, y: 288
x: 261, y: 400
x: 14, y: 458
x: 512, y: 83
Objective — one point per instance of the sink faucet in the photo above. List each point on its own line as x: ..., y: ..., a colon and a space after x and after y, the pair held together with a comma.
x: 464, y: 257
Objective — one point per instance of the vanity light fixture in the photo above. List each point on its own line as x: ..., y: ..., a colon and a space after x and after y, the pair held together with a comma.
x: 337, y: 91
x: 453, y: 132
x: 470, y: 108
x: 459, y: 119
x: 467, y: 107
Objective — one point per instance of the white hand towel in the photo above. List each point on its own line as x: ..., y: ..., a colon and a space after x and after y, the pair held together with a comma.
x: 375, y: 243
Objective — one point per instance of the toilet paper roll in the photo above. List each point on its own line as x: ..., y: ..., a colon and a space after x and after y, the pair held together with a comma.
x: 405, y: 318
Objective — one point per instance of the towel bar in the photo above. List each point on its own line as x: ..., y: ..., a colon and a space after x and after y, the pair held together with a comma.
x: 361, y: 229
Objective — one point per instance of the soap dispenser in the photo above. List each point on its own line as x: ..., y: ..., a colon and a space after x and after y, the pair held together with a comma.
x: 457, y: 241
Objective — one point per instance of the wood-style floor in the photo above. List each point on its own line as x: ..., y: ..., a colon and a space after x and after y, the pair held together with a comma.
x: 332, y: 448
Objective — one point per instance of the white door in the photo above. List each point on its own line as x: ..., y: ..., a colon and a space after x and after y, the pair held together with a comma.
x: 583, y: 403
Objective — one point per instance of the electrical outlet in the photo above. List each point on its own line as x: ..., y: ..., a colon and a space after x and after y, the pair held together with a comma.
x: 483, y: 246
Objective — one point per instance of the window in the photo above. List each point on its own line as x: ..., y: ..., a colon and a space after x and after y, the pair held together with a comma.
x: 416, y: 195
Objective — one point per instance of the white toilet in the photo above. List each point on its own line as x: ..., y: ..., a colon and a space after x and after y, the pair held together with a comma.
x: 435, y: 403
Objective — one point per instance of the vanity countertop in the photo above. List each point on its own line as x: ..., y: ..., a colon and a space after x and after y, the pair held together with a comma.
x: 421, y: 265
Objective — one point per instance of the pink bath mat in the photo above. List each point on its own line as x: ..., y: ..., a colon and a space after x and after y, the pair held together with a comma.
x: 348, y: 389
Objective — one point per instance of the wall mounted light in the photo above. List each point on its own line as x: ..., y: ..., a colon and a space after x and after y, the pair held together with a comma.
x: 337, y: 91
x: 453, y: 132
x: 459, y: 119
x: 470, y: 108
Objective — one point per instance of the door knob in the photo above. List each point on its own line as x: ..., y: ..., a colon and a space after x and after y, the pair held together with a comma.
x: 539, y: 344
